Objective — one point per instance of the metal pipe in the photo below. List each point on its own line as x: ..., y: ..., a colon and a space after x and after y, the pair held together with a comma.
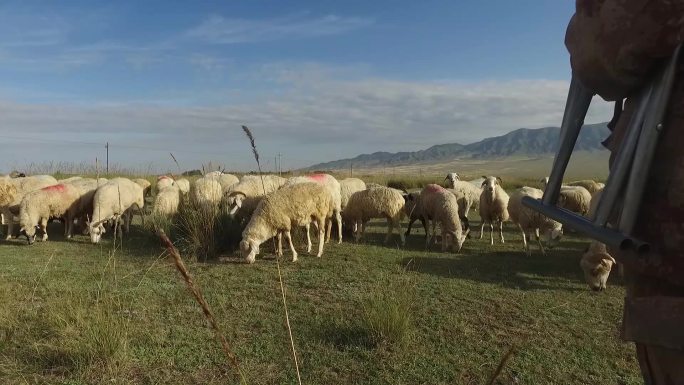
x: 610, y: 237
x: 576, y: 108
x: 646, y: 147
x: 623, y: 161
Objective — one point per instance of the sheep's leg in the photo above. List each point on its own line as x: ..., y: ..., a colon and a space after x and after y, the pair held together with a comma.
x: 426, y: 224
x: 501, y: 231
x: 43, y: 227
x: 289, y: 241
x: 390, y: 229
x: 308, y: 238
x: 338, y: 216
x: 397, y: 223
x: 444, y: 239
x: 321, y: 237
x: 434, y: 231
x: 69, y: 226
x: 408, y: 229
x: 482, y: 228
x: 328, y: 230
x: 9, y: 218
x: 491, y: 232
x: 279, y: 249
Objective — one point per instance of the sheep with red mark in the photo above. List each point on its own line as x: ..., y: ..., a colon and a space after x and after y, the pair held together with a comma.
x: 13, y: 190
x: 38, y: 207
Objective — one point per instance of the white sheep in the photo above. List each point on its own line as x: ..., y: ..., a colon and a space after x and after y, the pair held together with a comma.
x: 81, y: 210
x: 163, y: 181
x: 349, y: 186
x: 333, y: 186
x: 453, y: 177
x: 440, y: 206
x: 15, y: 189
x: 375, y: 203
x: 183, y: 185
x: 493, y: 206
x: 206, y: 192
x: 529, y: 220
x: 112, y: 201
x: 242, y: 198
x: 167, y: 201
x: 591, y: 185
x: 575, y: 198
x: 39, y: 206
x: 277, y: 213
x: 225, y: 180
x: 596, y: 262
x: 146, y: 185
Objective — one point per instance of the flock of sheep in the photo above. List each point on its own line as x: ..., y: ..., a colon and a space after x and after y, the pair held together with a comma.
x: 270, y: 206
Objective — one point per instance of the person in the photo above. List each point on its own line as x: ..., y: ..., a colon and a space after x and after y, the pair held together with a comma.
x: 615, y: 48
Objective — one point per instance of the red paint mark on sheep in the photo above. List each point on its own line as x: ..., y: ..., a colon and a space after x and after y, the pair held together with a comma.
x: 56, y: 187
x: 318, y: 177
x: 434, y: 187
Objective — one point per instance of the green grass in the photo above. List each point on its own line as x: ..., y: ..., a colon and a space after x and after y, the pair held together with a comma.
x: 76, y: 313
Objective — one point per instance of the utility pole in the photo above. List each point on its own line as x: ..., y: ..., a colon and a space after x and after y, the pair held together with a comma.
x: 275, y: 164
x: 351, y: 170
x: 280, y: 165
x: 107, y: 148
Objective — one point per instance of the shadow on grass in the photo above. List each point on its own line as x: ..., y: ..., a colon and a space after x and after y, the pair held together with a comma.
x: 343, y: 335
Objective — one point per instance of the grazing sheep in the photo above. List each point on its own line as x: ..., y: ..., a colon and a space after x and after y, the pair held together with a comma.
x: 440, y: 205
x: 493, y: 206
x: 145, y: 184
x: 163, y: 181
x: 295, y: 205
x: 112, y: 201
x: 15, y: 189
x: 167, y: 201
x: 596, y: 263
x: 39, y: 206
x: 348, y: 187
x: 183, y: 186
x: 333, y: 186
x: 575, y: 198
x: 529, y: 220
x: 242, y: 198
x: 225, y: 180
x: 468, y: 196
x: 375, y: 203
x: 206, y: 192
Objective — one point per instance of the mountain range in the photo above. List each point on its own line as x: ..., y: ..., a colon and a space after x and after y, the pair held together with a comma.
x: 520, y: 142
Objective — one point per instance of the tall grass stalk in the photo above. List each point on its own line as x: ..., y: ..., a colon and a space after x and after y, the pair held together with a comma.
x: 280, y: 276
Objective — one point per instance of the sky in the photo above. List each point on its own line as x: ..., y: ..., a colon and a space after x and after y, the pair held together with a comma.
x: 314, y: 80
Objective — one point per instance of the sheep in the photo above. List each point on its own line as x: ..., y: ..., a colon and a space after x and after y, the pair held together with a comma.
x: 206, y: 192
x: 348, y: 187
x: 413, y: 210
x: 112, y: 201
x: 225, y: 180
x: 294, y: 205
x: 596, y: 262
x: 468, y: 196
x: 334, y: 187
x: 163, y: 181
x: 183, y: 186
x: 575, y: 198
x: 14, y: 191
x: 453, y: 177
x: 530, y: 220
x: 167, y: 201
x: 39, y: 206
x: 493, y: 206
x: 375, y: 203
x: 82, y: 208
x: 440, y: 205
x: 242, y: 198
x: 591, y: 185
x: 145, y: 184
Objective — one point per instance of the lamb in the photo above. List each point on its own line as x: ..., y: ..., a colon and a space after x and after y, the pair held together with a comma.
x: 348, y: 187
x: 163, y: 181
x: 206, y: 192
x: 440, y: 205
x: 225, y: 180
x: 242, y: 199
x: 145, y: 184
x: 375, y: 203
x: 39, y: 206
x: 596, y: 262
x: 167, y: 201
x: 493, y: 206
x: 14, y: 190
x: 294, y: 205
x: 112, y: 201
x: 183, y: 186
x: 529, y: 220
x: 334, y: 187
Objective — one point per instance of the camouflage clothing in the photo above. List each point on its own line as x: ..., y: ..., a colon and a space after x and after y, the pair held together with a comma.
x: 615, y: 46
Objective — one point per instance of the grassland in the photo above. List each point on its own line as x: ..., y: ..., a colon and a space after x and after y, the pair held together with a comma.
x: 76, y: 313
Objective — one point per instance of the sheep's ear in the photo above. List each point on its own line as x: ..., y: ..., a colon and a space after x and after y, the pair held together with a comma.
x: 500, y: 181
x: 484, y: 182
x: 484, y: 176
x: 446, y: 177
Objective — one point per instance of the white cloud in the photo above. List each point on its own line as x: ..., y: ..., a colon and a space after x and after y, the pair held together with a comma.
x: 219, y: 30
x: 315, y: 121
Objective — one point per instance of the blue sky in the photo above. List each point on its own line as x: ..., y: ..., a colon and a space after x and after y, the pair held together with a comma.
x: 315, y: 80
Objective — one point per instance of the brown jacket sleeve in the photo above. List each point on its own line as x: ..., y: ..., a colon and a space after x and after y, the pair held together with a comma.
x: 615, y: 44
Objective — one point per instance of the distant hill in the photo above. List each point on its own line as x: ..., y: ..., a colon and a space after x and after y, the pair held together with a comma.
x: 523, y: 141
